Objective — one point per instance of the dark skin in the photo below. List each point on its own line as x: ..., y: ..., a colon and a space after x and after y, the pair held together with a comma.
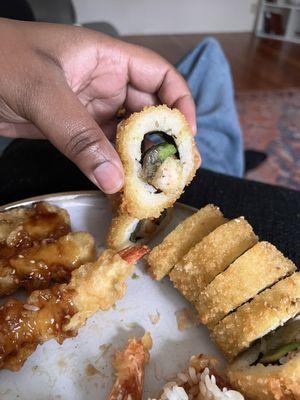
x: 66, y: 83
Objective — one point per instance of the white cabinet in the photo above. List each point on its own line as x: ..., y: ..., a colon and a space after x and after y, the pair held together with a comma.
x: 279, y: 19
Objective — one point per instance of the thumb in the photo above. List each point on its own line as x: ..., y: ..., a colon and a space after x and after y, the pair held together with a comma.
x: 60, y: 116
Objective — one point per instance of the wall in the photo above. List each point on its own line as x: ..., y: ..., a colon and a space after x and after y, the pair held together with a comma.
x: 134, y: 17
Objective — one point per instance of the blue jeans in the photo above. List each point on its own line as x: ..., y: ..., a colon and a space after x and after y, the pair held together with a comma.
x: 219, y: 135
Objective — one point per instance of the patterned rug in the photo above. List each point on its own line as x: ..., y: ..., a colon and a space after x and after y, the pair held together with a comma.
x: 271, y: 124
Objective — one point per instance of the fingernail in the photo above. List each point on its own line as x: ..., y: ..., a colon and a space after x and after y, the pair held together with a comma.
x: 109, y: 177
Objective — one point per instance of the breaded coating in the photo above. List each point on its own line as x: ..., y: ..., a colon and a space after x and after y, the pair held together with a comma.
x: 127, y: 231
x: 21, y: 226
x: 140, y: 198
x: 120, y: 230
x: 252, y: 272
x: 53, y: 260
x: 259, y: 382
x: 130, y: 369
x: 211, y: 256
x: 268, y: 310
x: 97, y: 286
x: 59, y: 312
x: 178, y: 242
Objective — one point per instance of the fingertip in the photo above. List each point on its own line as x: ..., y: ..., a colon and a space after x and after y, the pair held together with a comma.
x: 109, y: 177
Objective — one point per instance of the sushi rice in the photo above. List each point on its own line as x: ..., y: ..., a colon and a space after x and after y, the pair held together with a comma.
x: 193, y: 385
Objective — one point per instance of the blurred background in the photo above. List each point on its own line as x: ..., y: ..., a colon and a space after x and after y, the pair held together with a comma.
x: 259, y: 38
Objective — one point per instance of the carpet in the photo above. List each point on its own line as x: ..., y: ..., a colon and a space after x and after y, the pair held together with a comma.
x: 271, y: 124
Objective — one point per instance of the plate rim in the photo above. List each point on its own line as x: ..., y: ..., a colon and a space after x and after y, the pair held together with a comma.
x: 76, y: 193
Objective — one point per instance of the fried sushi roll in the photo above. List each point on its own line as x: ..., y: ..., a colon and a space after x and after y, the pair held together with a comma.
x: 156, y: 177
x: 21, y: 226
x: 177, y: 243
x: 258, y: 268
x: 35, y: 267
x: 268, y: 310
x: 211, y: 256
x: 126, y: 230
x: 271, y: 368
x: 130, y: 369
x: 59, y: 312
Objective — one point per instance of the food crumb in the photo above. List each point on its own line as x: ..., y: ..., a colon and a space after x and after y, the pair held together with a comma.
x: 135, y: 276
x: 154, y: 318
x: 62, y: 363
x: 91, y: 370
x: 104, y: 348
x: 186, y: 318
x: 131, y: 325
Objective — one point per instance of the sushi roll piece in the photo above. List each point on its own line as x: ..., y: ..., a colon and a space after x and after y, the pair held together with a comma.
x: 258, y: 268
x: 155, y: 177
x: 126, y: 230
x: 211, y: 256
x: 267, y: 311
x: 177, y: 243
x: 271, y: 368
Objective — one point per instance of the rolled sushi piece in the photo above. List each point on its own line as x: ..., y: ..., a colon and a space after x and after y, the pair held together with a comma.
x: 258, y: 268
x: 271, y: 368
x: 211, y: 256
x: 155, y: 176
x: 178, y: 242
x: 126, y: 230
x: 267, y: 311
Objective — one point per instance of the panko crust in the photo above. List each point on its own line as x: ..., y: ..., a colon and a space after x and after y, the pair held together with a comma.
x: 259, y: 382
x: 178, y: 242
x: 268, y: 310
x: 133, y: 200
x: 252, y: 272
x: 97, y: 286
x: 117, y: 237
x: 211, y: 256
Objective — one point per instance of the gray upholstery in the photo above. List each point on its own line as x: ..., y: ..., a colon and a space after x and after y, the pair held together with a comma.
x: 63, y: 11
x: 56, y: 11
x: 103, y: 27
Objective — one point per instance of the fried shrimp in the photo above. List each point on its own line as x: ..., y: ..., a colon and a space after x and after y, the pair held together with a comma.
x: 51, y: 260
x: 59, y: 312
x: 130, y: 369
x: 156, y: 177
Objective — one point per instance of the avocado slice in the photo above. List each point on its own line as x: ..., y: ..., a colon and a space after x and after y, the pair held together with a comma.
x: 155, y: 156
x: 276, y: 354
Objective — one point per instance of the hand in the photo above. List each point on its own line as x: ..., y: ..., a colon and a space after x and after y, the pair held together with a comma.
x: 66, y: 83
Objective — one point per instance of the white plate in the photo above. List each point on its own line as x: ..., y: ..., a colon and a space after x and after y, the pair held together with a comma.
x: 80, y: 369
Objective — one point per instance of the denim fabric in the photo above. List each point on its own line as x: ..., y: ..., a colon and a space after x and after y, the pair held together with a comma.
x: 219, y: 135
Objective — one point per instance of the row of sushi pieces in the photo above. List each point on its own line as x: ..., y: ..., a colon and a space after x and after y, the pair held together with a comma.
x: 247, y: 294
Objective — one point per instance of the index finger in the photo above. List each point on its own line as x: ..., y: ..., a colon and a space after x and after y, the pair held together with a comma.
x: 150, y: 73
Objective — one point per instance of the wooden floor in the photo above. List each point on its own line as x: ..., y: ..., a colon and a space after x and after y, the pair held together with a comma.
x: 257, y: 64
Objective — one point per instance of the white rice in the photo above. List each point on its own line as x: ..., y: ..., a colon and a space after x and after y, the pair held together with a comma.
x: 201, y: 386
